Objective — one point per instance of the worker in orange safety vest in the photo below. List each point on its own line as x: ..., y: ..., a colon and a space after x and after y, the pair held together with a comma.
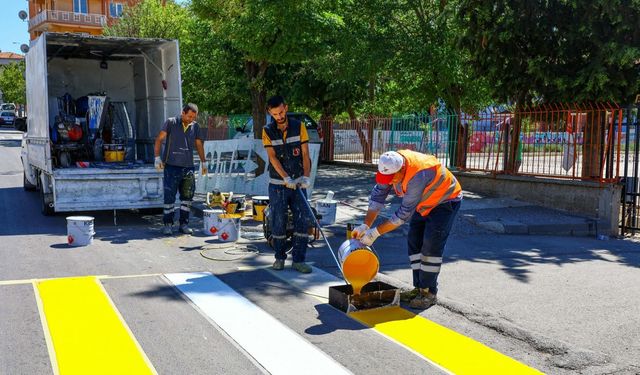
x: 431, y: 198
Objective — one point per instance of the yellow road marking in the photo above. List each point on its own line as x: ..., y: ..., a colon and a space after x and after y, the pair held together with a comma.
x: 87, y: 332
x: 449, y: 349
x: 45, y: 330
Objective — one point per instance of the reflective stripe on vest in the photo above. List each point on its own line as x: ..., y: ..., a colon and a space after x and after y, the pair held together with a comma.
x: 443, y: 187
x: 288, y: 150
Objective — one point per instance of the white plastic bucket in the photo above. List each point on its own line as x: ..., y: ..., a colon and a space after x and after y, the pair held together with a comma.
x: 210, y: 221
x: 227, y: 227
x: 327, y: 208
x: 80, y: 230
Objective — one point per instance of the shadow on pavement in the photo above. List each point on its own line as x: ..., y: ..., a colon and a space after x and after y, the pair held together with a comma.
x: 332, y: 320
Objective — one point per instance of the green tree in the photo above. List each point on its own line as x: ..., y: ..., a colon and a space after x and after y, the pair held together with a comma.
x: 162, y: 19
x: 267, y: 33
x: 558, y: 50
x: 504, y: 38
x: 212, y: 71
x: 12, y: 83
x: 212, y: 74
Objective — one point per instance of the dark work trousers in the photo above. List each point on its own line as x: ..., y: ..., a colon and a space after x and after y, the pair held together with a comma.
x: 281, y: 199
x: 427, y: 238
x: 178, y: 179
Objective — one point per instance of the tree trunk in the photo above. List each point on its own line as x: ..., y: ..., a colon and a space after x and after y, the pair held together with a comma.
x: 512, y: 137
x: 364, y: 143
x: 255, y: 75
x: 593, y: 145
x: 326, y: 124
x: 459, y: 141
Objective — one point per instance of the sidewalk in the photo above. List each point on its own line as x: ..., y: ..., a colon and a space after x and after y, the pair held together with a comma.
x: 500, y: 215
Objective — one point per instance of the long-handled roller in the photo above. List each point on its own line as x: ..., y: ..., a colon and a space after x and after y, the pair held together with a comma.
x: 304, y: 198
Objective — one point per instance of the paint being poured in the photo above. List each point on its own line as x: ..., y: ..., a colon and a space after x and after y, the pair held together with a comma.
x: 359, y: 268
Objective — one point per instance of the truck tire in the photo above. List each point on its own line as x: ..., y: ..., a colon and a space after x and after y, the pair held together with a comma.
x: 45, y: 207
x: 28, y: 186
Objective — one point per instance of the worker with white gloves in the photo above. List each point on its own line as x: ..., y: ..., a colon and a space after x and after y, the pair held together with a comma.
x: 431, y: 197
x: 181, y: 135
x: 286, y: 141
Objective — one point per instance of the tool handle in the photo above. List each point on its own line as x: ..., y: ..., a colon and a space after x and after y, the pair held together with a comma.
x: 304, y: 198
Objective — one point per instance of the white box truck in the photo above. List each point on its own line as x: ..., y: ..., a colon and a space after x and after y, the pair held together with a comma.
x: 96, y: 105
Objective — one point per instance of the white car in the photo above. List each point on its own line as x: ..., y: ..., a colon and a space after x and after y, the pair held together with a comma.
x: 7, y: 107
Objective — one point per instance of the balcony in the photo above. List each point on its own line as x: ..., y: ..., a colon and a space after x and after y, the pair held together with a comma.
x: 69, y: 18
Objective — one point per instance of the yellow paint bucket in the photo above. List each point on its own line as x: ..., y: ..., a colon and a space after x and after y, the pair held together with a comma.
x: 113, y: 152
x: 359, y: 264
x: 350, y: 228
x: 259, y: 204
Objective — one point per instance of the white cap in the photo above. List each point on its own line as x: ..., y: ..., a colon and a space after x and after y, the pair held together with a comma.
x: 390, y: 162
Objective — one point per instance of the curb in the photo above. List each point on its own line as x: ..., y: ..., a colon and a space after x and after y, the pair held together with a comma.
x: 586, y: 229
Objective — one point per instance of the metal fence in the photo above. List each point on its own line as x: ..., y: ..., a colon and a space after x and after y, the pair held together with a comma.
x: 595, y: 142
x: 575, y: 142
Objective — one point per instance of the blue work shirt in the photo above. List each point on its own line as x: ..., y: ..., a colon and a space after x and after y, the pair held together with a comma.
x: 410, y: 199
x: 180, y: 142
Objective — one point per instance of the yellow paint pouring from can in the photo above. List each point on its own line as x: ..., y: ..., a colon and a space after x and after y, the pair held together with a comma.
x: 360, y: 267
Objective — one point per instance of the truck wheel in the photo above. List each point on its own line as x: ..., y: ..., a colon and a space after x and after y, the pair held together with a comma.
x: 45, y: 207
x: 26, y: 184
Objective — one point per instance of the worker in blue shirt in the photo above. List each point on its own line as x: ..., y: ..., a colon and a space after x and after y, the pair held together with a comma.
x: 182, y: 134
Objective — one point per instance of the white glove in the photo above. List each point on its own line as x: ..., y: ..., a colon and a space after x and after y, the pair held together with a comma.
x: 358, y: 231
x: 304, y: 182
x: 370, y: 236
x: 290, y: 183
x: 158, y: 163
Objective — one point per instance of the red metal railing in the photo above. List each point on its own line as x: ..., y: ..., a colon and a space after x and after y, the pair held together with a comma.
x: 582, y: 142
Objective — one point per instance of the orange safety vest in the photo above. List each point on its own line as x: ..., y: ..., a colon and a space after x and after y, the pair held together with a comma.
x: 444, y: 186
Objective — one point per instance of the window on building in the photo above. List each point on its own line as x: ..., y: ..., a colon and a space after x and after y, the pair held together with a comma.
x: 80, y: 6
x: 115, y: 10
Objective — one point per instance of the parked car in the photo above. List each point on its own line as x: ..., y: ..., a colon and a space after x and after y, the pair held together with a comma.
x: 7, y: 117
x: 313, y: 129
x: 8, y: 107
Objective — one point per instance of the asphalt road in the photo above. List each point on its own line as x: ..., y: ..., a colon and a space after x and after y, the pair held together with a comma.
x: 488, y: 293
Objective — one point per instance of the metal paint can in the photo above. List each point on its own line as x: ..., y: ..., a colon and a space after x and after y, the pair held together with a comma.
x: 259, y: 204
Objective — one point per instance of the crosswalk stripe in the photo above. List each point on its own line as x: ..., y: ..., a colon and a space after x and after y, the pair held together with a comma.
x: 274, y: 345
x: 315, y: 284
x: 451, y: 350
x: 88, y: 334
x: 441, y: 346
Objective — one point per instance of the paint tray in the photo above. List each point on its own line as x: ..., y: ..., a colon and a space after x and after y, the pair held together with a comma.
x: 374, y: 295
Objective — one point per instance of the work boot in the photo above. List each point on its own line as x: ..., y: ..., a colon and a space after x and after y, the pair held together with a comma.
x: 301, y: 267
x: 408, y: 295
x: 278, y: 265
x: 166, y: 230
x: 423, y: 300
x: 184, y: 229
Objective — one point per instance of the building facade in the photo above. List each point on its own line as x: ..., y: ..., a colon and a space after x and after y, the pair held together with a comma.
x: 73, y: 16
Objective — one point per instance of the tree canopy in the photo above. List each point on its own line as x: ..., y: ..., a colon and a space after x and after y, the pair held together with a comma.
x: 387, y: 56
x: 12, y: 83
